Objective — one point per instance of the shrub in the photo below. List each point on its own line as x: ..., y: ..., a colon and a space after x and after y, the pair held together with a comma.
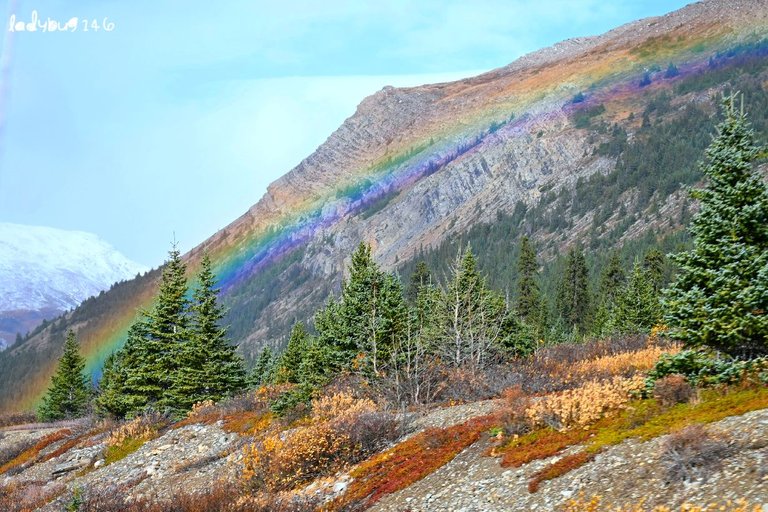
x: 671, y: 390
x: 17, y: 418
x: 129, y: 437
x: 29, y: 455
x: 584, y: 405
x: 581, y: 504
x: 692, y: 453
x: 340, y: 430
x: 706, y: 369
x: 221, y: 497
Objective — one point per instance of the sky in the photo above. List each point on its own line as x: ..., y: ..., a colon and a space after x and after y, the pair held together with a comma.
x: 166, y: 120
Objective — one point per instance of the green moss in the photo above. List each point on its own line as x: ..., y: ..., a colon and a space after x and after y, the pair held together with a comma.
x: 121, y: 451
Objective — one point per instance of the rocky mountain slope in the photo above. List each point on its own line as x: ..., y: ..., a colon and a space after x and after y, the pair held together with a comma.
x: 46, y: 271
x: 194, y: 457
x: 415, y: 167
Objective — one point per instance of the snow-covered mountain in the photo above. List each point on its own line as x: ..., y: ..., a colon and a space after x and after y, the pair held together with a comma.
x: 50, y: 269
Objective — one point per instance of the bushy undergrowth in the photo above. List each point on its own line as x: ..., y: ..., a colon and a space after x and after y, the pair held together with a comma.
x: 706, y: 368
x: 27, y: 496
x: 31, y: 454
x: 693, y: 453
x: 11, y: 419
x: 221, y: 497
x: 128, y: 437
x: 595, y: 504
x: 340, y: 431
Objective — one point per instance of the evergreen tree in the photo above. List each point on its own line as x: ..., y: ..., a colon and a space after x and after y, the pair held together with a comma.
x: 654, y: 262
x: 573, y: 300
x: 529, y: 303
x: 720, y: 295
x: 68, y: 395
x: 368, y: 319
x: 111, y: 398
x: 638, y: 306
x: 208, y: 366
x: 420, y: 277
x: 474, y: 315
x: 612, y: 281
x: 287, y: 369
x: 155, y: 341
x: 263, y: 369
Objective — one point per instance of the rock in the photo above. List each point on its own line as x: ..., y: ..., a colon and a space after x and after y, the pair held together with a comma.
x: 340, y: 487
x: 68, y: 466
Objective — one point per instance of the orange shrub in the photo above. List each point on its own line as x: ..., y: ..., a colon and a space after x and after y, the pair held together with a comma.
x: 29, y: 455
x: 625, y: 363
x: 340, y: 430
x: 584, y: 405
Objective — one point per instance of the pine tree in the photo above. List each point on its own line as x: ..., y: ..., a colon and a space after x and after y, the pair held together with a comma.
x: 208, y: 368
x: 654, y: 262
x: 573, y: 300
x: 612, y: 282
x: 111, y: 398
x: 421, y: 277
x: 529, y: 303
x: 287, y: 368
x: 68, y: 395
x: 720, y: 295
x: 263, y: 369
x: 155, y: 341
x: 638, y: 306
x: 474, y: 315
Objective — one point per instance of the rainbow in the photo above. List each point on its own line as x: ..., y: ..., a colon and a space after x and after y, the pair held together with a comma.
x: 533, y: 96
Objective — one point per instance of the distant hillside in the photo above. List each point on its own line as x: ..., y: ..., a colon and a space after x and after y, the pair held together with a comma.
x: 590, y: 140
x: 46, y: 271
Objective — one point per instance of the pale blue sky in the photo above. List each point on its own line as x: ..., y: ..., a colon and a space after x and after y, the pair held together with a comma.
x: 178, y: 119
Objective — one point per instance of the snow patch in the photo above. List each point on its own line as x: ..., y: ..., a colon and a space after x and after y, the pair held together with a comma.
x: 43, y: 267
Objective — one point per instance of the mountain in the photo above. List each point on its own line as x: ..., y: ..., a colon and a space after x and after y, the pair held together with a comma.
x: 589, y: 141
x: 46, y: 271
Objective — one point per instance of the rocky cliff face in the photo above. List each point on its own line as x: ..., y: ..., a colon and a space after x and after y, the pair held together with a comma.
x: 414, y: 167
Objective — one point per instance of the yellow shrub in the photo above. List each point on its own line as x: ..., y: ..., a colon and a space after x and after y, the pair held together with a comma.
x: 617, y: 364
x: 139, y: 427
x: 340, y: 408
x: 581, y: 504
x: 322, y: 445
x: 584, y: 405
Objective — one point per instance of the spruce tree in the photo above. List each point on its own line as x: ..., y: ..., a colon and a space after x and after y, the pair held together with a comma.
x: 654, y: 262
x: 720, y: 295
x: 529, y: 303
x: 638, y: 305
x: 369, y: 317
x: 155, y: 341
x: 474, y: 315
x: 68, y: 395
x: 573, y: 300
x: 287, y: 369
x: 111, y: 400
x: 208, y: 368
x: 612, y: 281
x: 263, y: 369
x: 421, y: 277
